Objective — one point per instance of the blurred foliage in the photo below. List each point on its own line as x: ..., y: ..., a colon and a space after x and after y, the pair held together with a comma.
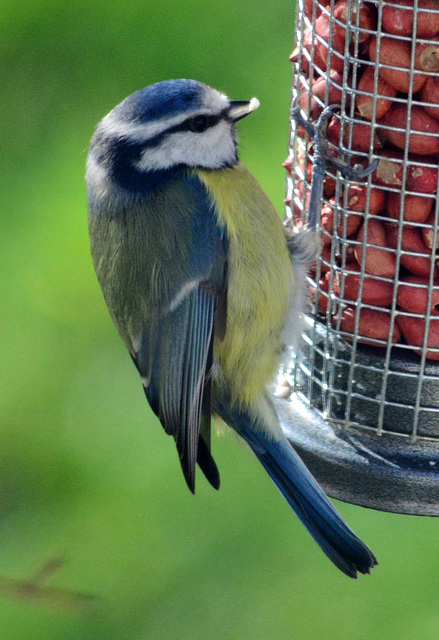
x: 99, y: 537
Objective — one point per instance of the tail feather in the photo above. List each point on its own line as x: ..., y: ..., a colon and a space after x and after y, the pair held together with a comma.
x: 304, y: 495
x: 312, y: 506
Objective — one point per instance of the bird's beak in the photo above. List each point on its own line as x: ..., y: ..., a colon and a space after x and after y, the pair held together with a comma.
x: 240, y: 108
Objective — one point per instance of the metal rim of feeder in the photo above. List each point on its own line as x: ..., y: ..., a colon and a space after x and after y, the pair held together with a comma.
x: 364, y: 417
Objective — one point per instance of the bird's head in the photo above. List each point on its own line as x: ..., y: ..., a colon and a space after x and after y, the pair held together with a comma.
x: 162, y: 128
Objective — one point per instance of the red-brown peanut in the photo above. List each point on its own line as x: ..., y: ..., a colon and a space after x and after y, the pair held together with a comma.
x: 348, y: 223
x: 325, y: 262
x: 357, y: 199
x: 309, y: 9
x: 389, y: 171
x: 333, y: 56
x: 430, y: 95
x: 378, y: 261
x: 373, y: 324
x: 415, y: 208
x: 420, y: 178
x: 399, y: 20
x: 366, y: 20
x: 412, y: 243
x: 427, y: 57
x: 311, y: 100
x: 413, y: 330
x: 428, y: 232
x: 413, y: 295
x: 329, y: 186
x: 396, y: 53
x: 423, y: 134
x: 310, y: 52
x: 322, y: 300
x: 327, y: 223
x: 375, y: 292
x: 365, y: 102
x: 361, y: 135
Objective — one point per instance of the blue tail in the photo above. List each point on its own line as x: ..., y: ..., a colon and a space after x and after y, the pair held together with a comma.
x: 305, y: 497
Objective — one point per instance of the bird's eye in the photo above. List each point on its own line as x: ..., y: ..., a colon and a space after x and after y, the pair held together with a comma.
x: 198, y: 124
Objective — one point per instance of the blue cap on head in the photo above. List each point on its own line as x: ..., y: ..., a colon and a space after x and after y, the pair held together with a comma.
x: 161, y: 100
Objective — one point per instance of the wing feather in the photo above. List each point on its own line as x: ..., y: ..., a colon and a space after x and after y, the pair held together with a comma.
x: 175, y: 353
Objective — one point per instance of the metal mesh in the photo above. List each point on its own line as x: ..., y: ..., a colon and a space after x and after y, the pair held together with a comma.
x: 369, y: 351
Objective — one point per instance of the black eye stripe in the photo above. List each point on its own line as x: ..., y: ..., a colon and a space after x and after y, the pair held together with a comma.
x: 155, y: 141
x: 106, y: 148
x: 186, y: 125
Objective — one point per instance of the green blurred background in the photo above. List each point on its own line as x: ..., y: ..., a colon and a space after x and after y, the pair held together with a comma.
x: 86, y: 472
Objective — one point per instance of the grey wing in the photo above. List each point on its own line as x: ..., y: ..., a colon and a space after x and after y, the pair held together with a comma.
x: 176, y: 350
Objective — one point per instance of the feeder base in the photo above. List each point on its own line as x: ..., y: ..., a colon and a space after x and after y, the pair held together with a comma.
x: 385, y: 472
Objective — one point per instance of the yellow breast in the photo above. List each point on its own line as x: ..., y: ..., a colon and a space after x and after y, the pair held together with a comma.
x: 260, y: 281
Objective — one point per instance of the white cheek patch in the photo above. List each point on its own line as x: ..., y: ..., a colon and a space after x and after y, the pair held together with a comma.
x: 211, y: 149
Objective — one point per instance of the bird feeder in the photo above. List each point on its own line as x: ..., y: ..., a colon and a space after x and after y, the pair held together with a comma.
x: 359, y: 398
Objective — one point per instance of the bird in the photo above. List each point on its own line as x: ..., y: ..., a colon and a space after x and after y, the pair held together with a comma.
x: 204, y: 285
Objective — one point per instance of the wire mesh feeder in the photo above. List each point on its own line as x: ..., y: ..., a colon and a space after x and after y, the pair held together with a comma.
x: 364, y: 407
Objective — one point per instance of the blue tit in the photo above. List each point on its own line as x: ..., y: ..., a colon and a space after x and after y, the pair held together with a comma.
x: 193, y: 263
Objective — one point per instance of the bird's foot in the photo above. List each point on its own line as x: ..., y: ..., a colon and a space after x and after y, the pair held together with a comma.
x: 322, y: 158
